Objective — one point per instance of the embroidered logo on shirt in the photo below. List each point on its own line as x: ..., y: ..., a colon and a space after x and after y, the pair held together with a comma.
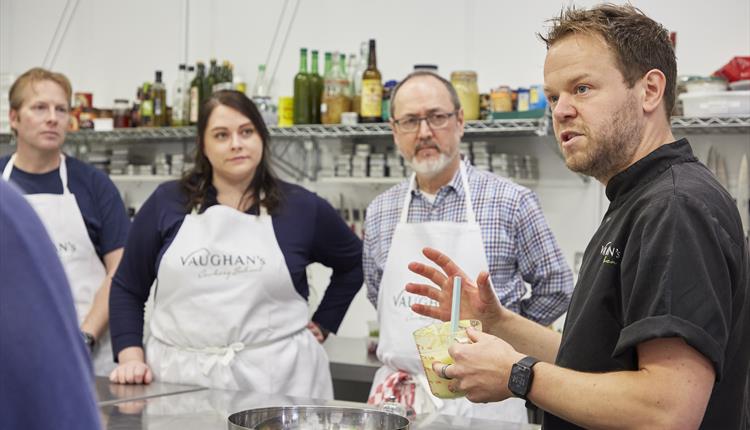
x: 612, y: 255
x: 220, y: 264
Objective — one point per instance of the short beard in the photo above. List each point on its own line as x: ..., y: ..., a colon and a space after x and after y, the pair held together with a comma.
x: 432, y: 167
x: 611, y: 149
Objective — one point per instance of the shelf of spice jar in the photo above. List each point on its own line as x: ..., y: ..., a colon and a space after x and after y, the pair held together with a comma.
x: 730, y: 124
x: 514, y: 127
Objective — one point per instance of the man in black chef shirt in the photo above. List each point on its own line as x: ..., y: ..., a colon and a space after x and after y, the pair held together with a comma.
x: 658, y: 329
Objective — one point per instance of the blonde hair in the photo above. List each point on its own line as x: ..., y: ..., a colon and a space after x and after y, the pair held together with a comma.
x: 32, y: 76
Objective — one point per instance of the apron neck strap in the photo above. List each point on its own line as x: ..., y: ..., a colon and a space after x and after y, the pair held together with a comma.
x: 62, y: 170
x: 470, y: 215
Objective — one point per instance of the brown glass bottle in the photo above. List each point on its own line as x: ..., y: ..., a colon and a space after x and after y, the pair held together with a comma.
x: 372, y: 90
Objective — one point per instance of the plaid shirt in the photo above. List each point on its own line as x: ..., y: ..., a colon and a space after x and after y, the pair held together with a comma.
x: 518, y: 243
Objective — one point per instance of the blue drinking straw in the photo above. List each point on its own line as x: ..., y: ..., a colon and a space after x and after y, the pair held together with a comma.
x: 456, y: 305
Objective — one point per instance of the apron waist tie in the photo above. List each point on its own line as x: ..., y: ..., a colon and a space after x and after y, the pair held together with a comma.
x: 225, y: 354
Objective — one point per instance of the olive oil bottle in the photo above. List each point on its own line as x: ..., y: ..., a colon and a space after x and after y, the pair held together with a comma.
x: 302, y: 111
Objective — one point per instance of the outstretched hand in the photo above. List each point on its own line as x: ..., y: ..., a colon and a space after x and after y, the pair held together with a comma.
x: 478, y: 300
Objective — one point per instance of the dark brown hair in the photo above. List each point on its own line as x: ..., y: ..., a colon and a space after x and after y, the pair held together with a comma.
x: 639, y: 43
x: 197, y: 181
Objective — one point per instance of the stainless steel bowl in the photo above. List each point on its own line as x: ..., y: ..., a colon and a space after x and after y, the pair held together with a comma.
x: 316, y: 418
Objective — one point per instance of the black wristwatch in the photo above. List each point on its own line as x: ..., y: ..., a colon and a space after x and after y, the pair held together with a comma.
x: 89, y: 340
x: 521, y: 376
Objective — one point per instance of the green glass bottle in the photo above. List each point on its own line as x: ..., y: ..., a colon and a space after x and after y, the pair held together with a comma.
x: 211, y: 79
x: 328, y: 64
x: 316, y: 90
x: 302, y: 114
x: 196, y: 93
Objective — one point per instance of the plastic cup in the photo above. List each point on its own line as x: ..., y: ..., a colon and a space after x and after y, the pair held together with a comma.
x: 433, y: 342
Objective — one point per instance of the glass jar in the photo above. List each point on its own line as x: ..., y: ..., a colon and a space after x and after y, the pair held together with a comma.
x: 465, y: 83
x: 502, y: 99
x: 121, y: 113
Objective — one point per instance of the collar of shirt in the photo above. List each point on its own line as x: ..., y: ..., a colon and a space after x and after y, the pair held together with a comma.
x: 454, y: 185
x: 648, y: 168
x: 211, y: 199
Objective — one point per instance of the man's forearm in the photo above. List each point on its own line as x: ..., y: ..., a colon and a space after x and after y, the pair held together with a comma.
x: 526, y: 336
x: 97, y: 318
x: 617, y: 400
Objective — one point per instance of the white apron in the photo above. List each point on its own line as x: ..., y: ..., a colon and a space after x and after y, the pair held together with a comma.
x: 85, y: 271
x: 462, y: 242
x: 226, y: 314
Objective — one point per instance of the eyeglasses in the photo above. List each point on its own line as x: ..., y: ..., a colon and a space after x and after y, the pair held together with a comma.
x: 435, y: 121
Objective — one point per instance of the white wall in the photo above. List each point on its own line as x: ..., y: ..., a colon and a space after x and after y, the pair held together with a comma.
x: 113, y: 46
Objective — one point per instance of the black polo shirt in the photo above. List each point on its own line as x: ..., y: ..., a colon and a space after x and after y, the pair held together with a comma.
x: 668, y: 260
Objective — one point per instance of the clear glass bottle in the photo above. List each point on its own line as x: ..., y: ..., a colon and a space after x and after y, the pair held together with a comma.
x: 179, y: 117
x: 355, y: 78
x: 262, y: 99
x: 392, y: 406
x: 334, y: 100
x: 159, y: 97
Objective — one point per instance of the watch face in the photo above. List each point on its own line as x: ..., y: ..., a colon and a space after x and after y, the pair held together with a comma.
x: 519, y: 380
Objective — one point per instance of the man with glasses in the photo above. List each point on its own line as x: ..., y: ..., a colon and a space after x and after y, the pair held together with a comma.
x: 78, y: 204
x: 484, y: 221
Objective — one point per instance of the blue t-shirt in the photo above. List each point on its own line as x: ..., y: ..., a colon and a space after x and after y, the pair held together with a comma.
x: 45, y: 370
x: 307, y: 229
x: 100, y: 203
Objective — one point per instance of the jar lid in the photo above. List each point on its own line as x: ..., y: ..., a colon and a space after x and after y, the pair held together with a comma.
x: 466, y: 74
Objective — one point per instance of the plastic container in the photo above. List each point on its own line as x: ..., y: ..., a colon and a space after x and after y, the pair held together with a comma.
x: 705, y: 84
x: 743, y: 85
x: 719, y: 103
x: 465, y: 83
x: 432, y: 343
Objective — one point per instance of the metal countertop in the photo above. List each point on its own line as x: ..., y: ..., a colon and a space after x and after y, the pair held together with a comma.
x: 165, y: 406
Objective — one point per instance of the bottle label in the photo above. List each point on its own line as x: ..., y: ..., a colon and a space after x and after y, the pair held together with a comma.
x: 372, y: 98
x: 147, y: 108
x: 194, y: 102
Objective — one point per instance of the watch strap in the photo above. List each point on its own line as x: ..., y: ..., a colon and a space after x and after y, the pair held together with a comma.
x: 527, y: 362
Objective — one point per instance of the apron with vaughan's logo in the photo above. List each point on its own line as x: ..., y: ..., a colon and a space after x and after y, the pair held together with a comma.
x: 64, y: 223
x: 226, y: 313
x: 462, y: 242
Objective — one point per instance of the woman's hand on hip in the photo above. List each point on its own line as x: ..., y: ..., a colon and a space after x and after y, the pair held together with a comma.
x: 317, y: 331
